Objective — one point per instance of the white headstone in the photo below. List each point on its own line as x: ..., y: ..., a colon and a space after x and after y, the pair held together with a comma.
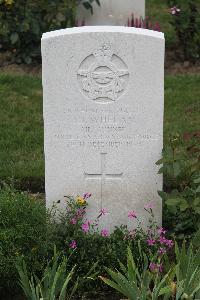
x: 103, y: 118
x: 111, y: 12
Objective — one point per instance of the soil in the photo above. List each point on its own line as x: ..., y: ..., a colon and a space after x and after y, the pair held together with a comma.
x: 22, y: 69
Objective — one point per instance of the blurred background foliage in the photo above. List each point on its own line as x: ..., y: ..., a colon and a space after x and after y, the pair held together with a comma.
x: 23, y: 22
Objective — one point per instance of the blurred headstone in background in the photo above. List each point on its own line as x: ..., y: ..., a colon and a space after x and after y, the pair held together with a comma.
x: 111, y: 12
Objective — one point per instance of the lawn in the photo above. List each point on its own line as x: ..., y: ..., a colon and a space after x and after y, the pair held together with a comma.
x: 21, y: 127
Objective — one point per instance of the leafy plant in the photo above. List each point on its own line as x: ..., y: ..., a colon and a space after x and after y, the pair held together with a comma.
x: 23, y: 232
x: 186, y: 22
x: 181, y: 170
x: 181, y: 282
x: 54, y: 283
x: 73, y: 231
x: 134, y: 285
x: 184, y: 278
x: 23, y: 22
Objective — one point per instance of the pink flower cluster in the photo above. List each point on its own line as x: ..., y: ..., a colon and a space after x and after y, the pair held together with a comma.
x: 132, y: 215
x: 156, y: 267
x: 104, y: 232
x: 86, y: 226
x: 151, y: 242
x: 166, y: 242
x: 162, y: 245
x: 80, y: 212
x: 73, y: 244
x: 150, y: 205
x: 175, y: 10
x: 79, y: 215
x: 103, y: 211
x: 159, y: 240
x: 142, y: 23
x: 86, y: 196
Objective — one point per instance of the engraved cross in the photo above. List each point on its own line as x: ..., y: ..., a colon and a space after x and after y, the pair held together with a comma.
x: 103, y: 175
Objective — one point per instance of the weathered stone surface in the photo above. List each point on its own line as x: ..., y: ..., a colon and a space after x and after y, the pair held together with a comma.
x: 103, y: 118
x: 111, y: 12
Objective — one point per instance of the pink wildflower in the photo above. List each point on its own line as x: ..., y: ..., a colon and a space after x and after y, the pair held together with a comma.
x: 160, y: 268
x: 132, y: 215
x: 87, y: 195
x: 103, y: 211
x: 149, y: 205
x: 161, y: 230
x: 174, y: 10
x: 166, y: 242
x: 73, y: 244
x: 80, y: 212
x: 73, y: 221
x: 132, y: 233
x: 156, y: 267
x: 162, y: 240
x: 104, y: 232
x: 161, y: 251
x: 157, y: 27
x: 151, y: 242
x: 86, y: 226
x: 153, y: 267
x: 169, y: 243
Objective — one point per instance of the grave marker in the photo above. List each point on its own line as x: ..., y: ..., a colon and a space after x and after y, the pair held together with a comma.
x: 103, y: 118
x: 111, y: 12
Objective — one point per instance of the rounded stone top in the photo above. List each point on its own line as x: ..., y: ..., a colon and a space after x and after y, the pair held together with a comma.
x: 102, y: 29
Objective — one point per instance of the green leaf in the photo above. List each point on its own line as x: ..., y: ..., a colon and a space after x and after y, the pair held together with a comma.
x: 197, y: 180
x: 165, y: 290
x: 159, y: 162
x: 87, y: 5
x: 14, y: 38
x: 64, y: 287
x: 177, y: 169
x: 161, y: 170
x: 196, y: 202
x: 163, y: 195
x: 112, y: 284
x: 197, y: 210
x: 183, y: 205
x: 173, y: 201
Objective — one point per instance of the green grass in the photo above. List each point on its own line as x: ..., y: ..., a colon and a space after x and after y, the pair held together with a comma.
x: 182, y: 104
x: 21, y: 126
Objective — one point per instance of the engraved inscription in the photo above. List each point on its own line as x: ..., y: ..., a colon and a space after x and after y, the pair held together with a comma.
x: 103, y: 175
x: 103, y: 76
x: 99, y: 128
